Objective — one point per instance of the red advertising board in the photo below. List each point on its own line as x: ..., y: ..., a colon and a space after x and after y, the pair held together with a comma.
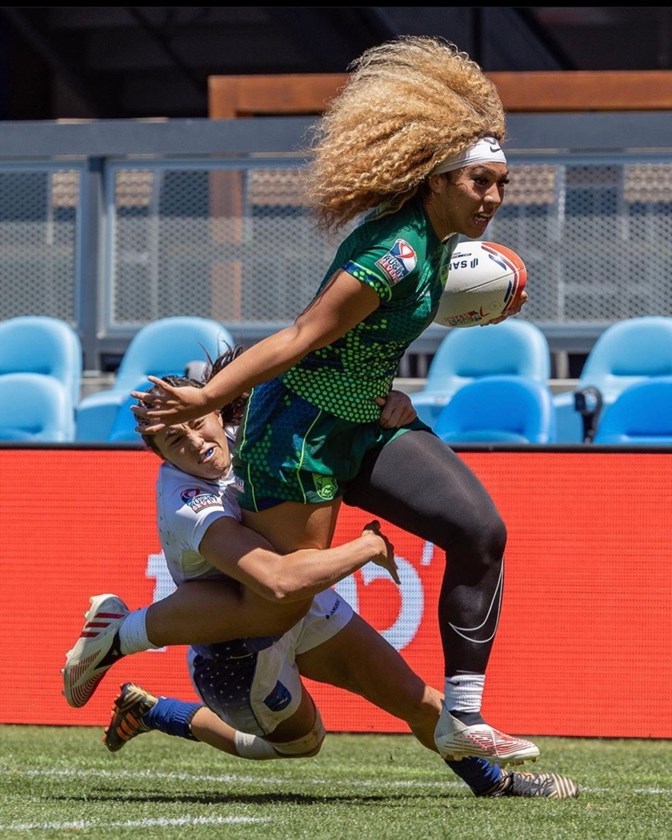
x: 585, y: 640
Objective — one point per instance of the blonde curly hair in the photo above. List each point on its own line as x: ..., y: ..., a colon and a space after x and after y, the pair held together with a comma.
x: 408, y: 104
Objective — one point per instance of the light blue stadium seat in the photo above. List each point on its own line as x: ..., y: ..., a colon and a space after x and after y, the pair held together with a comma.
x: 641, y: 415
x: 34, y: 407
x: 123, y: 428
x: 498, y: 409
x: 627, y: 352
x: 157, y: 349
x: 513, y: 347
x: 45, y: 345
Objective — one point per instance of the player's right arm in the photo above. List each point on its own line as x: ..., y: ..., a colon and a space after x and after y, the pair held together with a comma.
x: 248, y: 558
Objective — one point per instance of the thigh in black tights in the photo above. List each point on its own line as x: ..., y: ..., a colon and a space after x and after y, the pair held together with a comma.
x: 419, y: 484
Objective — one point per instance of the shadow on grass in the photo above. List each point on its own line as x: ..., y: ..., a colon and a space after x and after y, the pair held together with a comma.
x: 393, y: 799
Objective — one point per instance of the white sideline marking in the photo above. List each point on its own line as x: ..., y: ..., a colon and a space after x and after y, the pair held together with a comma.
x: 240, y: 779
x: 86, y: 824
x: 190, y: 777
x: 236, y: 778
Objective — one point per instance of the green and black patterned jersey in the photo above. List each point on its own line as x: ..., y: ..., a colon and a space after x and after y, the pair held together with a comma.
x: 400, y: 256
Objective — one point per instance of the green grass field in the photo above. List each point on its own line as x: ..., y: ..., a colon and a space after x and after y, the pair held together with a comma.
x: 62, y: 782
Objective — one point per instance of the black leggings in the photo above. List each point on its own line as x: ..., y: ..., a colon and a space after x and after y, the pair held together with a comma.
x: 420, y: 485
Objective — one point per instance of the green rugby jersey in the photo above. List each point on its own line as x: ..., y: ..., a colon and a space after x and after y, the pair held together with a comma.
x: 400, y: 256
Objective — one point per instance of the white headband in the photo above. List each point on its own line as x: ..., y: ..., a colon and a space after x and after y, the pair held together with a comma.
x: 486, y: 150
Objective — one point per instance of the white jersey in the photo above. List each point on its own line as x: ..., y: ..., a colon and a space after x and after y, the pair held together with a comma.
x: 186, y: 507
x: 253, y: 684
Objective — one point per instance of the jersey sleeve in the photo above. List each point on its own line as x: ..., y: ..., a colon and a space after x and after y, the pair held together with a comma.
x: 188, y: 509
x: 383, y: 266
x: 193, y: 516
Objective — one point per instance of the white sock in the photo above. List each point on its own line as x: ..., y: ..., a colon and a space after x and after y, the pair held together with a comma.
x: 133, y: 633
x: 251, y: 746
x: 464, y: 692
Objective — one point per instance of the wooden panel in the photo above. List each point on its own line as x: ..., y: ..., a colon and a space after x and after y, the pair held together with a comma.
x: 277, y: 95
x: 603, y: 90
x: 551, y: 91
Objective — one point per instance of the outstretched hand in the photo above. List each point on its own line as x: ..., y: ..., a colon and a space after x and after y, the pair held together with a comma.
x: 166, y: 405
x: 386, y: 556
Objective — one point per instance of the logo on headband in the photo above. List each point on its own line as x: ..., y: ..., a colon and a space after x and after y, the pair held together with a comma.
x: 485, y: 150
x: 399, y: 261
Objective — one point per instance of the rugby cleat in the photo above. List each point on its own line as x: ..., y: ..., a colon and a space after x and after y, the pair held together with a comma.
x: 456, y: 740
x: 129, y: 709
x: 530, y: 785
x: 93, y: 655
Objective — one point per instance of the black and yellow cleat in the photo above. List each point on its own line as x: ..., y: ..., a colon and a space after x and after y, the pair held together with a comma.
x: 128, y: 712
x: 531, y: 785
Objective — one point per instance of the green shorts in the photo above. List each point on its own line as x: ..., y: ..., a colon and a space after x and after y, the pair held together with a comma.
x: 288, y: 450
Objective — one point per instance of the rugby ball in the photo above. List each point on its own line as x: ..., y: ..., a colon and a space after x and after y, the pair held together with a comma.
x: 485, y: 281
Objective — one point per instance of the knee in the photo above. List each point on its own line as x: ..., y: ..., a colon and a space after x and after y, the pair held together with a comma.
x: 483, y: 535
x: 495, y: 535
x: 308, y: 745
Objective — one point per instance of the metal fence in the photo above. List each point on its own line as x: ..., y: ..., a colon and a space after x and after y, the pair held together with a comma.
x: 110, y: 225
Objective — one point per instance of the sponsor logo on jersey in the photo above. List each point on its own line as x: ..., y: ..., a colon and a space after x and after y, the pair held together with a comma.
x: 399, y: 261
x: 197, y: 500
x: 190, y: 493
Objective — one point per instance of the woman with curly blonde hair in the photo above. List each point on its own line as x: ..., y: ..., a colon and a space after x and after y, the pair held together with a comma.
x: 413, y: 142
x: 409, y: 105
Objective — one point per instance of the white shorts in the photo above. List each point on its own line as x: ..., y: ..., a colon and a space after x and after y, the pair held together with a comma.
x: 255, y: 690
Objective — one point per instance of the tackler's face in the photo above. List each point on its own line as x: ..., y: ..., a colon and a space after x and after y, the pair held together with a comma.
x: 199, y: 447
x: 466, y: 200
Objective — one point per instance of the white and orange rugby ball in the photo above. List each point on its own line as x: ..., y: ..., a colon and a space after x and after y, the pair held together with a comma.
x: 485, y: 281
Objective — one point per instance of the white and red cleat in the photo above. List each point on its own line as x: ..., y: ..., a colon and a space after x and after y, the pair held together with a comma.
x: 83, y: 670
x: 456, y: 740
